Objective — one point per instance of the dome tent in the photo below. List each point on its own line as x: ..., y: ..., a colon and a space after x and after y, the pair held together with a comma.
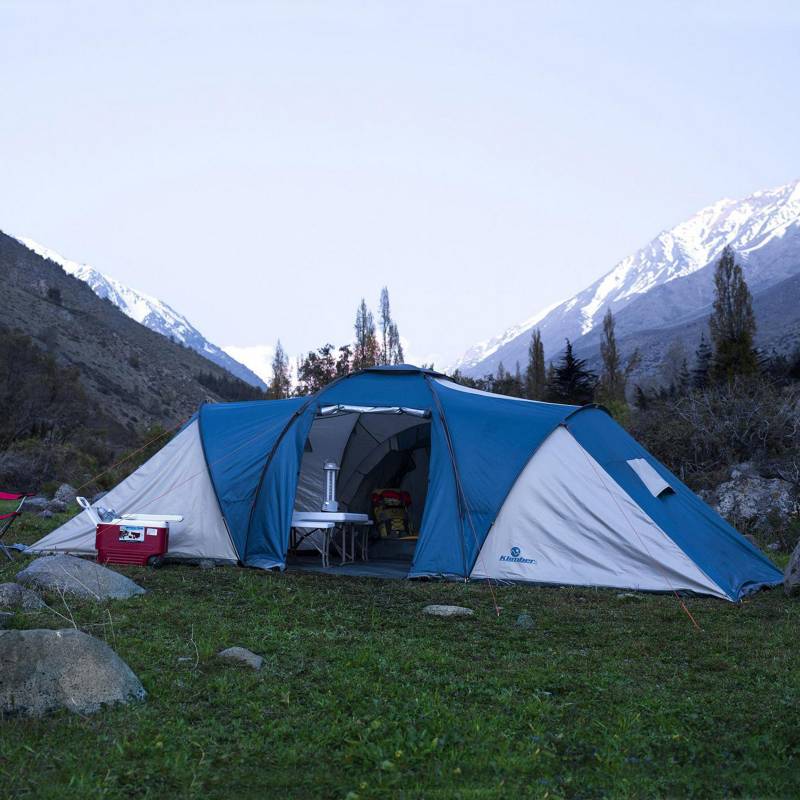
x: 513, y: 489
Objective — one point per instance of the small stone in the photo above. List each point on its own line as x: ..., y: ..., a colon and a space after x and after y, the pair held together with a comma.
x: 183, y: 659
x: 17, y: 597
x: 447, y: 611
x: 5, y: 618
x: 628, y: 596
x: 774, y: 546
x: 525, y: 621
x: 46, y: 514
x: 206, y: 563
x: 242, y: 655
x: 98, y: 497
x: 65, y: 494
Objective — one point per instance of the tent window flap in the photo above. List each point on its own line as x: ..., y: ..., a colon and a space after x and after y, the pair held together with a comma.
x: 655, y: 484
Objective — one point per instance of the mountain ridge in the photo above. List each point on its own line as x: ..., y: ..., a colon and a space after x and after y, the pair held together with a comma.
x: 147, y: 310
x: 764, y: 229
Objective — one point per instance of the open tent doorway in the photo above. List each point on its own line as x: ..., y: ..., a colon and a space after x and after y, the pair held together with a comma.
x: 377, y: 449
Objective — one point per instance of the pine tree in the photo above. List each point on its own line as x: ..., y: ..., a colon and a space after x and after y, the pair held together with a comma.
x: 732, y: 323
x: 535, y: 379
x: 702, y: 364
x: 572, y: 382
x: 281, y: 385
x: 366, y: 350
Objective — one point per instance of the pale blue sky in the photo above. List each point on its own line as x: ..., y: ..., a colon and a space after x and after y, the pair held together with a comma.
x: 260, y: 166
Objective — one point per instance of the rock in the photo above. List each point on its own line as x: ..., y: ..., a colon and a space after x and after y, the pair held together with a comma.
x: 36, y: 503
x: 774, y: 546
x: 525, y: 621
x: 56, y: 507
x: 44, y: 670
x: 243, y: 656
x: 628, y: 596
x: 77, y: 577
x: 753, y: 498
x: 98, y: 497
x: 65, y: 494
x: 791, y: 575
x: 17, y: 597
x: 206, y: 563
x: 46, y: 514
x: 447, y: 611
x: 5, y: 621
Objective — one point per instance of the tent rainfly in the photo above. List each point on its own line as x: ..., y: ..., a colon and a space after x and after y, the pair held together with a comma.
x: 504, y: 488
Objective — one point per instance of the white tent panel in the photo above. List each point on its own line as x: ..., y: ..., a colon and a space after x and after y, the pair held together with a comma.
x: 566, y: 521
x: 174, y: 481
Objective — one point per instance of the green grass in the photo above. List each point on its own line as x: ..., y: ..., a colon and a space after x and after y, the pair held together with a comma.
x: 363, y: 696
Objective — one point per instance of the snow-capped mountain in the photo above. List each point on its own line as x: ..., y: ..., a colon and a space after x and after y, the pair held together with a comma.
x: 764, y: 230
x: 148, y: 311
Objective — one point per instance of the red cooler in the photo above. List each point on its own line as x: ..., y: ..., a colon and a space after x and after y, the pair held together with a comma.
x: 124, y: 541
x: 129, y: 538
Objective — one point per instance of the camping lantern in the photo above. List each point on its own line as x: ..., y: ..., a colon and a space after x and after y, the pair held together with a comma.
x: 330, y: 504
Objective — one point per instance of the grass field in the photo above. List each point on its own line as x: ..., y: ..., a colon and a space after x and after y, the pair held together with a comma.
x: 363, y: 696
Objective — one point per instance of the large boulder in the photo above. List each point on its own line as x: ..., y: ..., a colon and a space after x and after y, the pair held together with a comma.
x: 791, y: 575
x: 65, y: 494
x: 44, y: 670
x: 77, y: 577
x: 18, y: 598
x: 753, y: 498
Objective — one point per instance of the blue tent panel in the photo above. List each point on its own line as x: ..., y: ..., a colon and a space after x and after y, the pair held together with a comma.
x: 237, y: 440
x: 722, y: 553
x: 493, y: 438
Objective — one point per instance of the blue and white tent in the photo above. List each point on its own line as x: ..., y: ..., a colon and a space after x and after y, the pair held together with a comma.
x: 503, y: 488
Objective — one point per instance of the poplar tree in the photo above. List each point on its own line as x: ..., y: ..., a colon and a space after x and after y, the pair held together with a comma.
x: 702, y: 364
x: 366, y: 350
x: 386, y: 326
x: 732, y: 323
x: 611, y: 387
x: 281, y: 384
x: 535, y: 378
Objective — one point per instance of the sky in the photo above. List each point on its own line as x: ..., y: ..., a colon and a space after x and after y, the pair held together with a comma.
x: 261, y: 166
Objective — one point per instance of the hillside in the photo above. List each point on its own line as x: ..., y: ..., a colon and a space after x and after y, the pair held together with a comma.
x: 669, y: 281
x: 133, y: 377
x: 149, y: 311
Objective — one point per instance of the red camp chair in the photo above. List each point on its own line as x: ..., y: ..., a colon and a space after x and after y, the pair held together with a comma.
x: 7, y: 520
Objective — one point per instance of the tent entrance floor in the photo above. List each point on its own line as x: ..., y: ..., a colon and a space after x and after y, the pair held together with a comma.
x: 396, y: 568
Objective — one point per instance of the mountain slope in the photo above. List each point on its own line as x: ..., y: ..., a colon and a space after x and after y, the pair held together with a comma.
x: 132, y: 376
x: 148, y: 311
x: 669, y: 278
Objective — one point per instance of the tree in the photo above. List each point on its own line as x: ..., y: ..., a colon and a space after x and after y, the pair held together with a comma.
x: 396, y: 355
x: 315, y: 370
x: 572, y: 382
x: 344, y: 361
x: 281, y: 384
x: 732, y: 323
x: 611, y: 387
x: 386, y: 325
x: 702, y: 364
x: 535, y: 379
x: 366, y: 350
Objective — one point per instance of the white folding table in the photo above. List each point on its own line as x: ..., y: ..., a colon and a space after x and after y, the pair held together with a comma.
x: 327, y: 523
